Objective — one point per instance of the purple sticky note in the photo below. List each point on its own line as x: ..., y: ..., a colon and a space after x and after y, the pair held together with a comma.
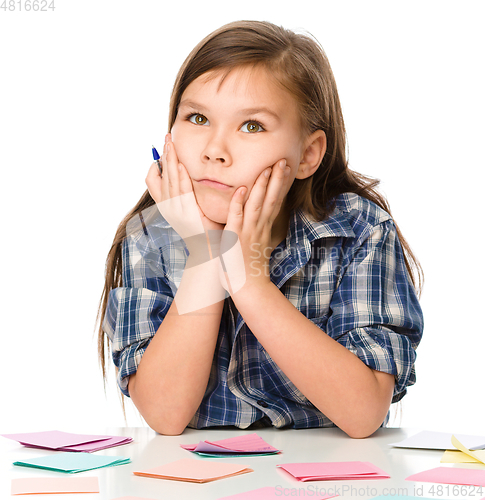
x: 65, y: 441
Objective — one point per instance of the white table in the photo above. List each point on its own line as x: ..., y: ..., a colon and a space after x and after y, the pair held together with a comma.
x: 311, y: 445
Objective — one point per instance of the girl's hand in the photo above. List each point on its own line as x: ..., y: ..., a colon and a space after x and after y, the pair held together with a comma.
x: 174, y: 195
x: 245, y: 262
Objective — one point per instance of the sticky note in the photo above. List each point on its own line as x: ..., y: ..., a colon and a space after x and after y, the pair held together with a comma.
x: 451, y: 475
x: 66, y: 441
x: 478, y: 456
x: 37, y: 485
x: 248, y: 444
x: 71, y: 462
x: 458, y: 457
x: 331, y: 471
x: 430, y: 440
x: 194, y: 471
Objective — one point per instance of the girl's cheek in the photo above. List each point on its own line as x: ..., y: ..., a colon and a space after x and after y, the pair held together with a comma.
x: 184, y: 152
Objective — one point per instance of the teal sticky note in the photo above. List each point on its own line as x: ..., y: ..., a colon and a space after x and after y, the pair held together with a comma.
x: 72, y: 462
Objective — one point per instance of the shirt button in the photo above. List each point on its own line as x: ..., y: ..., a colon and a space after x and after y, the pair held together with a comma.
x: 262, y: 403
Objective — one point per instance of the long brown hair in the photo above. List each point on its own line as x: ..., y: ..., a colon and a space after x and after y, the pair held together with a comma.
x: 298, y: 63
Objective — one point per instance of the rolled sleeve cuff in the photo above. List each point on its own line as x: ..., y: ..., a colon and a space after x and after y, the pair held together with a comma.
x: 132, y: 318
x: 384, y: 350
x: 128, y: 362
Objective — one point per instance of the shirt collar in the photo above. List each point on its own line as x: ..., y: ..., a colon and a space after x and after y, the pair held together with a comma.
x: 336, y: 225
x: 287, y: 260
x: 303, y: 231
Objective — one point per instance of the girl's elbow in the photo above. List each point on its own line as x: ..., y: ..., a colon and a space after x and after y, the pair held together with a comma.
x: 361, y: 428
x: 164, y: 422
x: 372, y: 414
x: 167, y: 423
x: 166, y: 426
x: 360, y: 432
x: 168, y: 430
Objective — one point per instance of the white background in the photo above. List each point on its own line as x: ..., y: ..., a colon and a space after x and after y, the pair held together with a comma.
x: 84, y: 94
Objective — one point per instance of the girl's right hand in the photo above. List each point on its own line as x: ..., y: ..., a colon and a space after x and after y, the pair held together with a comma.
x: 174, y: 195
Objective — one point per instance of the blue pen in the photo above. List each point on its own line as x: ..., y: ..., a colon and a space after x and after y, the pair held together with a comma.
x: 156, y: 157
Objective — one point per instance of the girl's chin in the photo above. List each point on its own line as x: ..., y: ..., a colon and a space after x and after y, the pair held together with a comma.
x: 215, y: 210
x: 215, y: 216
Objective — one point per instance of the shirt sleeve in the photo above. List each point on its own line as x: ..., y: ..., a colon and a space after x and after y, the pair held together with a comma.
x: 136, y: 310
x: 374, y: 311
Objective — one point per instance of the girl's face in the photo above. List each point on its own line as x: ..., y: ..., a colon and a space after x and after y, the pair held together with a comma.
x: 230, y: 130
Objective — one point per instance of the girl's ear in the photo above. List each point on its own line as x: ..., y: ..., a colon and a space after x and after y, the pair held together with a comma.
x: 315, y: 147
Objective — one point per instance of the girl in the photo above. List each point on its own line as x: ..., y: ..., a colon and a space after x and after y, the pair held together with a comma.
x: 255, y: 197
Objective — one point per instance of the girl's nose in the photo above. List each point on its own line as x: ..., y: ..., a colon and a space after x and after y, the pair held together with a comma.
x: 216, y: 151
x: 220, y: 158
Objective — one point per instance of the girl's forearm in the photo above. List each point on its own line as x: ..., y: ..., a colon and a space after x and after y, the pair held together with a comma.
x: 172, y: 376
x: 355, y: 397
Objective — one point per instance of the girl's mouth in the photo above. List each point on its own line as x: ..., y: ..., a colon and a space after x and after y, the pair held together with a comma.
x: 214, y: 184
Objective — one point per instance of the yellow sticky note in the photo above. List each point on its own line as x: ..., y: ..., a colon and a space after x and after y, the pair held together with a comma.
x: 463, y: 455
x: 458, y: 457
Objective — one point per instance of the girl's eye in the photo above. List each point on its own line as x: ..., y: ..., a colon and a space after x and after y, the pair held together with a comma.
x: 198, y: 119
x: 252, y: 127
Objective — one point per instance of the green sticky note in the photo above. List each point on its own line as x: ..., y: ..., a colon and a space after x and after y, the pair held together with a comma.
x: 72, y: 462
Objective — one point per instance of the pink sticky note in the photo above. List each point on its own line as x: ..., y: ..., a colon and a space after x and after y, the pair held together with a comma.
x: 451, y: 475
x: 248, y: 443
x: 36, y: 485
x: 194, y: 471
x: 267, y: 493
x: 205, y: 447
x: 331, y: 471
x: 53, y: 439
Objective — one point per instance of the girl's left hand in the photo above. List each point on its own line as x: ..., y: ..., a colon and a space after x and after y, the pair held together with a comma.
x: 245, y: 259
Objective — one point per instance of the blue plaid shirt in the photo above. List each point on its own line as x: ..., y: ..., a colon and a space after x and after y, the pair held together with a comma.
x: 346, y: 274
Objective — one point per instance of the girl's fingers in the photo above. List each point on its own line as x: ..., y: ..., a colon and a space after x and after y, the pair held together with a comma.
x: 174, y: 179
x: 235, y: 215
x: 267, y: 195
x: 275, y: 191
x: 178, y: 170
x: 254, y: 204
x: 185, y: 180
x: 154, y: 182
x: 170, y: 167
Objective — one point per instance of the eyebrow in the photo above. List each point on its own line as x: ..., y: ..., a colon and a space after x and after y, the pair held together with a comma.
x: 245, y: 112
x: 254, y: 111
